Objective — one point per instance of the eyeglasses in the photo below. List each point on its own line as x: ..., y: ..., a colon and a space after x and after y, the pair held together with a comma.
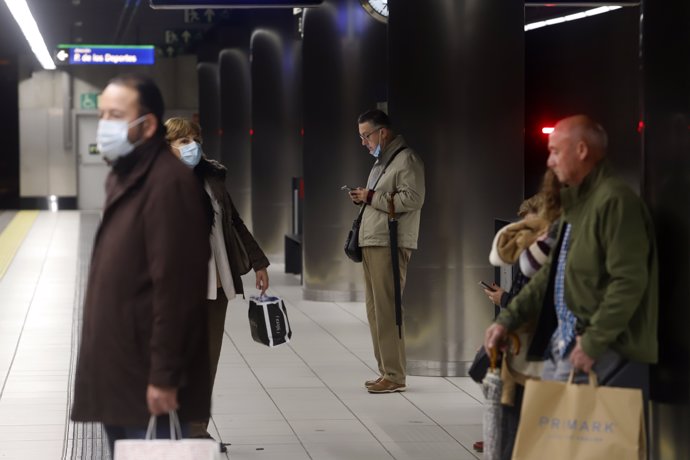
x: 365, y: 137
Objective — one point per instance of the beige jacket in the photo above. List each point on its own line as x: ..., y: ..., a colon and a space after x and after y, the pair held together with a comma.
x: 405, y: 176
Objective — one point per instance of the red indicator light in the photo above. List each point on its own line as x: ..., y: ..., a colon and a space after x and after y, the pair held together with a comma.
x: 547, y: 130
x: 251, y: 132
x: 640, y: 126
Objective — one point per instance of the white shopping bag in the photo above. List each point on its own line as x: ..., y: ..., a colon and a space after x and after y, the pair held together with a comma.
x: 175, y: 448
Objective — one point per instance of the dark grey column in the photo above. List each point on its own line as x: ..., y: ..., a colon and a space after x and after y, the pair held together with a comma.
x: 209, y: 108
x: 456, y: 94
x: 344, y: 55
x: 235, y: 145
x: 275, y: 143
x: 9, y: 117
x: 666, y: 69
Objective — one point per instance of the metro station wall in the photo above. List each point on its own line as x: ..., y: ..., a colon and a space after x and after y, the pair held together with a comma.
x: 344, y: 55
x: 48, y: 164
x: 456, y: 94
x: 588, y: 66
x: 259, y: 116
x: 236, y: 108
x: 275, y: 140
x: 666, y: 187
x: 9, y: 120
x: 209, y: 108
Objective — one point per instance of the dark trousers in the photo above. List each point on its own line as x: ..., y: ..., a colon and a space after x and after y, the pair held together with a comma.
x: 510, y: 419
x: 217, y: 310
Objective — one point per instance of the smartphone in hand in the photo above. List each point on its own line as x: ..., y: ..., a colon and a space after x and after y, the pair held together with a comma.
x: 348, y: 188
x: 487, y: 286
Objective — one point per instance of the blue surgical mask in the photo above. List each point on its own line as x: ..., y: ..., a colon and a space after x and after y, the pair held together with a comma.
x: 377, y: 151
x: 190, y: 154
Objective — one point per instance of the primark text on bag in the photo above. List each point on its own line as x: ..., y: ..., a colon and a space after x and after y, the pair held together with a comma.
x: 575, y: 422
x: 268, y: 321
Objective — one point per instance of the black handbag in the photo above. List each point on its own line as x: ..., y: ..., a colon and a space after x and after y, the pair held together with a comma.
x: 480, y: 365
x: 268, y: 321
x: 352, y: 249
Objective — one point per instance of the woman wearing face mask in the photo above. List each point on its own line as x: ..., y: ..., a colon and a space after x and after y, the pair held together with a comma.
x: 233, y: 249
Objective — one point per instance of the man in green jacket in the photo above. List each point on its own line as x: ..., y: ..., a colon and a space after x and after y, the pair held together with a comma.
x: 595, y: 302
x: 403, y: 182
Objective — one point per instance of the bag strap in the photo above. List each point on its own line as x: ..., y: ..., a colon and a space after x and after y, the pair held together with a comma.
x: 592, y: 378
x: 390, y: 160
x: 175, y: 428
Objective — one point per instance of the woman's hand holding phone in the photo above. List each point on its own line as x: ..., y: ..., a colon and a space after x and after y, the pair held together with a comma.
x: 494, y: 292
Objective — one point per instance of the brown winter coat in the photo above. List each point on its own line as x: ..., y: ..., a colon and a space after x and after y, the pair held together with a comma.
x: 144, y: 315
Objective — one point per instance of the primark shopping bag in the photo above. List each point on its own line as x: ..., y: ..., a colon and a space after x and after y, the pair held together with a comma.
x: 566, y: 421
x: 174, y: 448
x: 268, y: 321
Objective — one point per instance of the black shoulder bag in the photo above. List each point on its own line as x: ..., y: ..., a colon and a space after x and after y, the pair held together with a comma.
x: 352, y: 249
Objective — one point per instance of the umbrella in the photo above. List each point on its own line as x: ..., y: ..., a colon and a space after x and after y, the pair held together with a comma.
x: 393, y: 233
x: 492, y: 386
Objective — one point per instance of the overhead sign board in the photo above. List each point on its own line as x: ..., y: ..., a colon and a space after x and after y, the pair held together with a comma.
x: 192, y: 4
x: 106, y: 54
x: 580, y: 3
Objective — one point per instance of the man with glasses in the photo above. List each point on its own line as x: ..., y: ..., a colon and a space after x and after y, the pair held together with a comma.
x: 397, y: 176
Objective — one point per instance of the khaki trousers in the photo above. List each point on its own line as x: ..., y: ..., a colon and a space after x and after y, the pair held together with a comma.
x: 216, y: 327
x: 389, y: 349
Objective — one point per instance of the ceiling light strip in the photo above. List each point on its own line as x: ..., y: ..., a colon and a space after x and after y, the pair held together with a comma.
x: 25, y: 20
x: 571, y: 17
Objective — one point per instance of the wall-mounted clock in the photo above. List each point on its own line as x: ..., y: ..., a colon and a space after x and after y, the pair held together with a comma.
x: 378, y: 9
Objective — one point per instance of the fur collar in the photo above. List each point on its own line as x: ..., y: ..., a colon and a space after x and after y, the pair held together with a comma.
x: 210, y: 168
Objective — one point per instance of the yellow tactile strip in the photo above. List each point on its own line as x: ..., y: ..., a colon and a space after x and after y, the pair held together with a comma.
x: 13, y: 235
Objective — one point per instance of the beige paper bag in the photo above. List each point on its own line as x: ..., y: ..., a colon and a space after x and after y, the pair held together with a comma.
x: 565, y: 421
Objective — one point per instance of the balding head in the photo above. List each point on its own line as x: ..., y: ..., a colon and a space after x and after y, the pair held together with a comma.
x: 576, y: 146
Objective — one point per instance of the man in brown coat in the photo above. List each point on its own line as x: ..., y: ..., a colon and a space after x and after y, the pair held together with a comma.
x: 143, y: 345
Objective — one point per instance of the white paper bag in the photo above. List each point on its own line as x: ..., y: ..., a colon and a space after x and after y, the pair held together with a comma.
x: 175, y: 448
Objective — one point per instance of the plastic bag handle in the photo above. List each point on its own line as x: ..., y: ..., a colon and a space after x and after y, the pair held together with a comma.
x: 593, y: 381
x: 175, y: 428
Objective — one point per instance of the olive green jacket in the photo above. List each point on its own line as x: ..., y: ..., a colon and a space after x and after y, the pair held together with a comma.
x: 611, y: 277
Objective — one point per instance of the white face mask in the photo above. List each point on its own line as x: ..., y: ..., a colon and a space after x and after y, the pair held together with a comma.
x: 190, y: 154
x: 112, y: 140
